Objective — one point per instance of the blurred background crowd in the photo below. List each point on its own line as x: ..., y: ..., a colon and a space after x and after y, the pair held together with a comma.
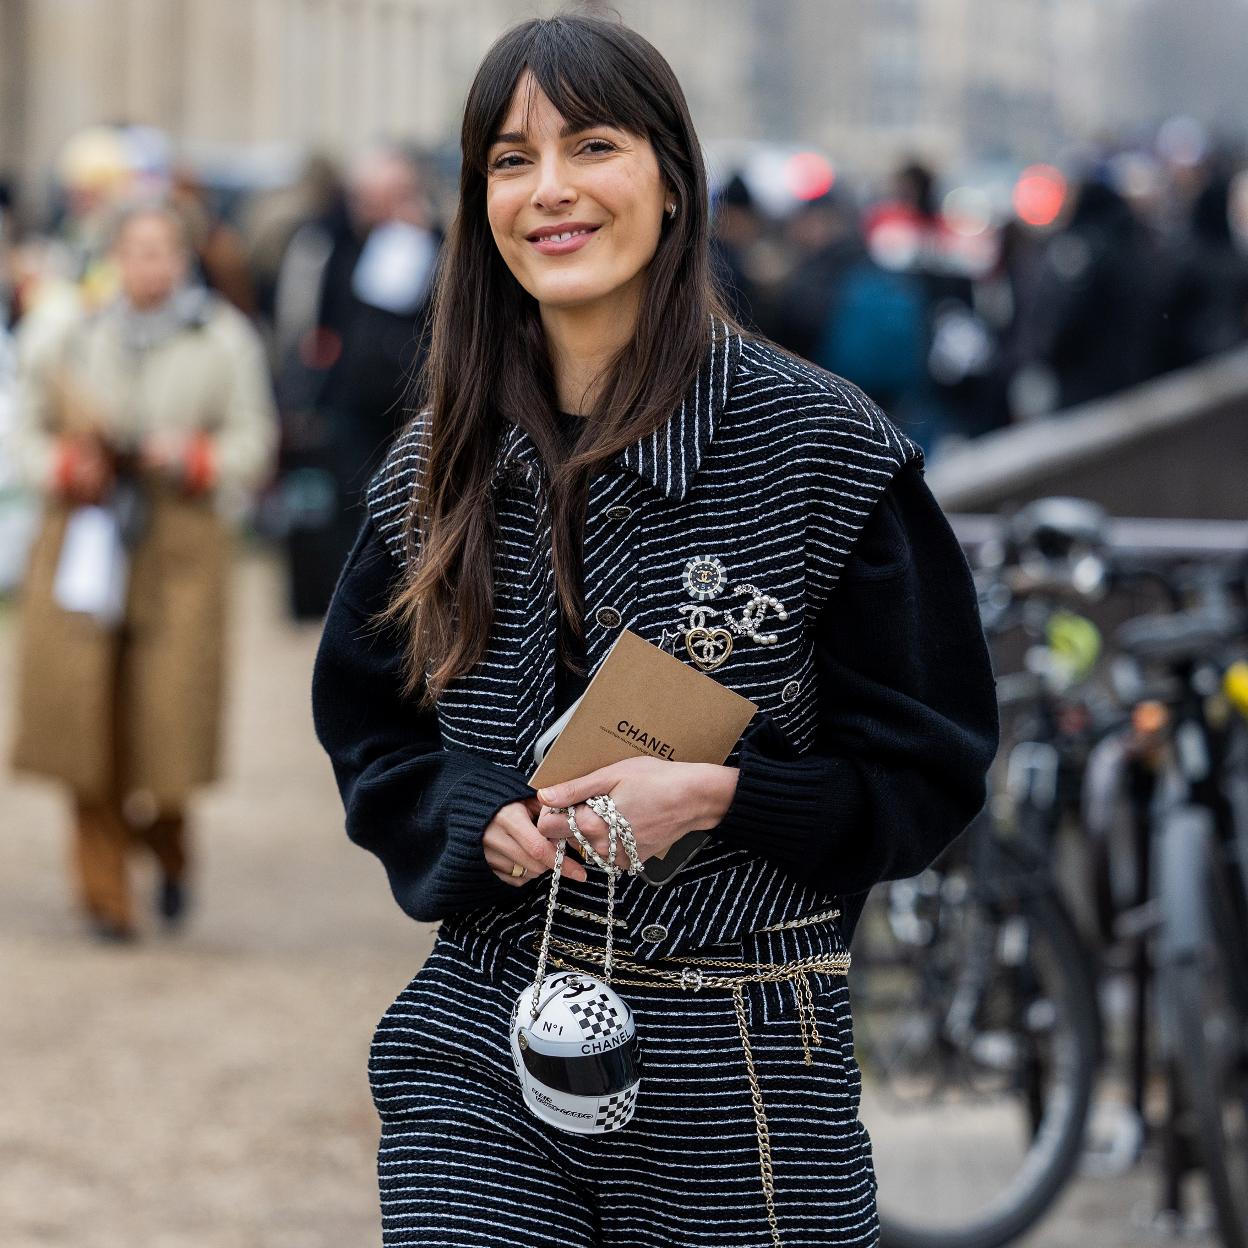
x: 1009, y: 221
x: 975, y: 242
x: 961, y: 305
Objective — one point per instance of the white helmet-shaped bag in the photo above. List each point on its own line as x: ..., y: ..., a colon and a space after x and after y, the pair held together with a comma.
x: 578, y: 1059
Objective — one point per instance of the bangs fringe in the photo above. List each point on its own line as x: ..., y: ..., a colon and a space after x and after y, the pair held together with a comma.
x: 586, y: 87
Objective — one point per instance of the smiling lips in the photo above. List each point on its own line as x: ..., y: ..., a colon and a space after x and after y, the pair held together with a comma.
x: 560, y: 240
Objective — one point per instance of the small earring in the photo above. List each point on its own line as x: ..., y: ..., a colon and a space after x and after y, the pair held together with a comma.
x: 671, y: 210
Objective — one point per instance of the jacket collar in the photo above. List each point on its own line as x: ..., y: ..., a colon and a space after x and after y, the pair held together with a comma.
x: 667, y: 459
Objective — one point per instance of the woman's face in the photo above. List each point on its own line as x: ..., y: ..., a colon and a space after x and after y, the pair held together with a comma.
x: 576, y: 215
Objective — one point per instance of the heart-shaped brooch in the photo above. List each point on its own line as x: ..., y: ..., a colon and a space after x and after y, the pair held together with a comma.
x: 708, y: 647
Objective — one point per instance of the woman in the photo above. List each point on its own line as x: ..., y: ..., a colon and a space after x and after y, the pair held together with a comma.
x: 155, y: 409
x: 598, y: 449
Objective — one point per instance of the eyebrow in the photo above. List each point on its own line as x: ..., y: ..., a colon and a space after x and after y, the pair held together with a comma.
x: 567, y: 130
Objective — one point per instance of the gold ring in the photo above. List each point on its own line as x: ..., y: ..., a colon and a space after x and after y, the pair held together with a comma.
x: 517, y: 870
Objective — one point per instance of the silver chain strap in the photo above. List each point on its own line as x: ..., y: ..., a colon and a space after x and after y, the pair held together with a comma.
x: 544, y: 950
x: 612, y: 871
x: 607, y: 811
x: 619, y: 833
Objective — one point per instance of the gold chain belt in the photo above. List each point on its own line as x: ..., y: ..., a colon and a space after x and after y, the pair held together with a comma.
x: 693, y: 976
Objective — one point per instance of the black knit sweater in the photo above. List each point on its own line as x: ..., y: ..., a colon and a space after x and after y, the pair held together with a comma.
x: 908, y: 729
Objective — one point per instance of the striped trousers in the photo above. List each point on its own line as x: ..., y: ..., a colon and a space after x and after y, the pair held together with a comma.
x: 462, y: 1162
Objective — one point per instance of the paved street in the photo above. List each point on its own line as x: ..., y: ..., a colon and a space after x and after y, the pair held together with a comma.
x: 210, y: 1092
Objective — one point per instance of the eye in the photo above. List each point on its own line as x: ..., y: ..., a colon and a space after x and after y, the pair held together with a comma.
x: 596, y: 147
x: 508, y: 160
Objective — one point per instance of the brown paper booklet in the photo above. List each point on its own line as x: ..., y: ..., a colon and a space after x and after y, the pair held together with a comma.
x: 644, y: 701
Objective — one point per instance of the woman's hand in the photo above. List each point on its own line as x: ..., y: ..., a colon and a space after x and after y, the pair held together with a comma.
x: 186, y: 458
x: 84, y: 469
x: 512, y: 839
x: 662, y: 801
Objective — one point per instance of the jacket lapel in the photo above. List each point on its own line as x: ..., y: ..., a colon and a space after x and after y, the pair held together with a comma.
x: 667, y: 459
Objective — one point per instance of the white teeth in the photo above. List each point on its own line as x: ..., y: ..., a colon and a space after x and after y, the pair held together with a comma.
x: 563, y: 238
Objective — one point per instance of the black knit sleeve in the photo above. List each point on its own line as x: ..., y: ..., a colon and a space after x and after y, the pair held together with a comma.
x: 908, y: 713
x: 420, y: 808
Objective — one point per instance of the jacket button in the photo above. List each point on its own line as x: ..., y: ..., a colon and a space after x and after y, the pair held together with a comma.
x: 654, y: 931
x: 790, y: 691
x: 619, y: 513
x: 608, y: 617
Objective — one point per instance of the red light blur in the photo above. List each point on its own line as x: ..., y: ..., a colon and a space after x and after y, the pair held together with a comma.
x: 808, y: 175
x: 1039, y: 195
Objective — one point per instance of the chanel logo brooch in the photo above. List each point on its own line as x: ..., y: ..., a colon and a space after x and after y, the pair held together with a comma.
x: 705, y: 576
x: 707, y: 647
x: 707, y: 644
x: 753, y: 614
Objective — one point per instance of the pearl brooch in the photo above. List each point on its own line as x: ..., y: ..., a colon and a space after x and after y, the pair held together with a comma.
x: 753, y: 614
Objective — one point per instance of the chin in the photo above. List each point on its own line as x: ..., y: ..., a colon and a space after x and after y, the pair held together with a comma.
x: 574, y: 293
x: 569, y: 296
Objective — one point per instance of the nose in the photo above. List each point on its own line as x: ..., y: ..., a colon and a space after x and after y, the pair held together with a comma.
x: 554, y: 188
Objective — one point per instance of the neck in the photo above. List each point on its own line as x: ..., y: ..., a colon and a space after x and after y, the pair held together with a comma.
x: 148, y: 303
x: 583, y: 341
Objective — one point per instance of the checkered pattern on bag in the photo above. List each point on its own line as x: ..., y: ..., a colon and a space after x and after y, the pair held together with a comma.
x: 597, y: 1017
x: 616, y: 1110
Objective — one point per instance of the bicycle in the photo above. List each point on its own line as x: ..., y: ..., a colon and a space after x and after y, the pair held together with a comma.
x: 1181, y: 761
x: 974, y: 993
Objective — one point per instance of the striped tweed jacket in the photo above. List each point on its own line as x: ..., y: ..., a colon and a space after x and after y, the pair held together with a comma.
x: 764, y: 477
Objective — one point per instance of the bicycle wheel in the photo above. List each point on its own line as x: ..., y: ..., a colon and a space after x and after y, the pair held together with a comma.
x: 1204, y: 996
x: 978, y: 1039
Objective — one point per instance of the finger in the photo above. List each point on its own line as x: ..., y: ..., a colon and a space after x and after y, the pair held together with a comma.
x: 501, y: 866
x: 593, y: 826
x: 572, y: 791
x: 554, y: 825
x: 499, y: 840
x: 533, y: 848
x: 600, y: 847
x: 572, y: 868
x: 536, y: 845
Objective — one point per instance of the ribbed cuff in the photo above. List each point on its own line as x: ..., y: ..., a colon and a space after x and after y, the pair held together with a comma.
x: 463, y: 879
x: 790, y: 808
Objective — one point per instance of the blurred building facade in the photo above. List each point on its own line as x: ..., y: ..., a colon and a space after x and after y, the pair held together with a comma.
x: 948, y: 79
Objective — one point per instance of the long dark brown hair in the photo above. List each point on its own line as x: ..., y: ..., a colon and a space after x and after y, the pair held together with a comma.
x: 488, y: 363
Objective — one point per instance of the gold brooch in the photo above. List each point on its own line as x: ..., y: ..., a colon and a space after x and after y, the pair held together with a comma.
x: 708, y: 647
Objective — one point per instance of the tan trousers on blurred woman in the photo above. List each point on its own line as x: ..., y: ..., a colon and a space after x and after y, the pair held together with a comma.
x: 109, y: 830
x: 101, y: 851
